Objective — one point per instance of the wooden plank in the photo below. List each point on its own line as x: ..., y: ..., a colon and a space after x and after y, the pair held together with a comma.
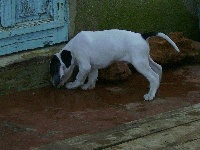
x: 7, y: 13
x: 31, y: 41
x: 190, y: 145
x: 135, y: 130
x: 30, y: 27
x: 174, y: 138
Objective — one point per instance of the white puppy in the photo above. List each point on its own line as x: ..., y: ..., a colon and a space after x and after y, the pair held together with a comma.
x: 91, y: 51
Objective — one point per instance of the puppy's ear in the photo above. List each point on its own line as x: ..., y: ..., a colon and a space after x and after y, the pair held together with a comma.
x: 54, y: 66
x: 66, y: 57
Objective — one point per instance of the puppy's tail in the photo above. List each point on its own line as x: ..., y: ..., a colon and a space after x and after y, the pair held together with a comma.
x: 146, y: 36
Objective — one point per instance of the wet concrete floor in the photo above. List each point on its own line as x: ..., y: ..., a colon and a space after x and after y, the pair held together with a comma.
x: 33, y: 118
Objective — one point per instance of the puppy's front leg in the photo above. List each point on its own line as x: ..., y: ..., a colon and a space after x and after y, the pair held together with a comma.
x: 92, y: 78
x: 80, y: 78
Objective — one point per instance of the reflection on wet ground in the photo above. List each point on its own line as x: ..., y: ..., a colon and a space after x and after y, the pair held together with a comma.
x: 37, y: 117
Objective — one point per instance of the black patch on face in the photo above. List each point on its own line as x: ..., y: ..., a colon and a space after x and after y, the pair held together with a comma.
x: 54, y: 70
x: 66, y: 57
x: 148, y: 35
x: 56, y: 80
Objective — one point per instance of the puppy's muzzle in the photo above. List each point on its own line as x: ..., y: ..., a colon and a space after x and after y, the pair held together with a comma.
x: 57, y: 81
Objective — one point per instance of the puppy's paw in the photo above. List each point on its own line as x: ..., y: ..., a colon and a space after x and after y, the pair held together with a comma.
x: 71, y: 85
x: 148, y: 97
x: 85, y: 87
x: 88, y: 86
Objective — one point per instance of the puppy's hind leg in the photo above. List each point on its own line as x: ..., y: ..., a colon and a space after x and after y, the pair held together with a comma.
x: 155, y: 67
x: 143, y: 67
x: 92, y: 78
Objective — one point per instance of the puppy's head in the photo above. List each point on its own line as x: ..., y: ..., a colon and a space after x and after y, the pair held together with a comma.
x: 61, y: 68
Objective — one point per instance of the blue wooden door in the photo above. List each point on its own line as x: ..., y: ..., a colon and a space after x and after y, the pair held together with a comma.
x: 28, y: 24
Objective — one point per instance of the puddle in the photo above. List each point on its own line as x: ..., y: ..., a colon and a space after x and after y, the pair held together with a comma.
x: 47, y: 114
